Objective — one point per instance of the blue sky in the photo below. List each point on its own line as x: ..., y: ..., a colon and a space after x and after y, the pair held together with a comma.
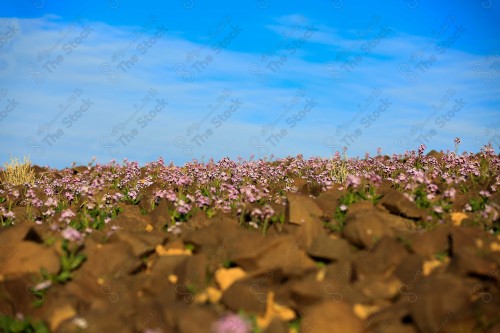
x: 193, y: 80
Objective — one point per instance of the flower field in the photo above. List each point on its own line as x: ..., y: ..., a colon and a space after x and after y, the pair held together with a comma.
x: 401, y: 243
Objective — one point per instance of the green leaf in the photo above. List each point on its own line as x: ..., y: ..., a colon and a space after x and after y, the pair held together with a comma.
x: 40, y: 327
x: 65, y: 245
x: 65, y: 264
x: 79, y: 259
x: 64, y: 276
x: 38, y: 302
x: 18, y: 326
x: 49, y: 241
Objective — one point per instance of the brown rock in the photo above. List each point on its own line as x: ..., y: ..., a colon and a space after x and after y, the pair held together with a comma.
x: 148, y: 286
x: 131, y: 219
x: 301, y: 209
x: 340, y: 271
x: 247, y: 294
x: 430, y: 243
x: 382, y: 259
x: 410, y: 270
x: 141, y: 242
x: 378, y: 287
x: 329, y: 316
x: 276, y: 326
x: 400, y: 225
x: 223, y: 238
x: 344, y: 292
x: 149, y: 316
x: 311, y: 188
x: 146, y: 204
x: 396, y: 203
x: 196, y: 319
x: 470, y: 261
x: 487, y: 303
x: 160, y: 215
x: 200, y: 220
x: 389, y: 320
x: 192, y: 271
x: 60, y: 314
x: 360, y: 206
x: 17, y: 233
x: 327, y: 201
x: 389, y: 316
x: 364, y: 229
x: 308, y: 291
x: 327, y: 248
x: 165, y: 265
x: 28, y: 257
x: 468, y: 237
x: 305, y: 233
x: 11, y: 236
x: 103, y: 320
x: 17, y: 294
x: 495, y: 328
x: 449, y: 310
x: 393, y: 327
x: 171, y: 314
x: 120, y: 262
x: 278, y: 253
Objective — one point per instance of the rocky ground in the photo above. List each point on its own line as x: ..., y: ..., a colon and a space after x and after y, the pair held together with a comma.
x: 387, y: 244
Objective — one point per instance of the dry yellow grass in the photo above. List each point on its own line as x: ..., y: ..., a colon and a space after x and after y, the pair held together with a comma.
x: 340, y: 172
x: 17, y: 173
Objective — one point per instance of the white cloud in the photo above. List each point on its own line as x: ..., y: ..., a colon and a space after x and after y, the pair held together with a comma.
x: 188, y: 102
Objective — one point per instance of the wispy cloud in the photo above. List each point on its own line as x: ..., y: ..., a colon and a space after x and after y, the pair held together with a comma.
x: 115, y: 68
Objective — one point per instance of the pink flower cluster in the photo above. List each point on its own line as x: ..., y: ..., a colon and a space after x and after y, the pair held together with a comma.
x: 246, y: 186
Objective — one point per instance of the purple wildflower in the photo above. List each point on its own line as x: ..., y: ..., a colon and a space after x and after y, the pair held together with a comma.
x: 353, y: 181
x: 10, y: 215
x: 485, y: 194
x: 51, y: 202
x: 202, y: 201
x: 421, y: 149
x: 183, y: 207
x: 171, y: 196
x: 117, y: 197
x: 438, y: 209
x: 49, y: 212
x: 175, y: 229
x: 69, y: 196
x: 43, y: 285
x: 253, y: 224
x: 450, y: 193
x: 132, y: 195
x: 232, y: 324
x: 256, y: 212
x: 90, y: 205
x: 66, y: 216
x: 72, y: 234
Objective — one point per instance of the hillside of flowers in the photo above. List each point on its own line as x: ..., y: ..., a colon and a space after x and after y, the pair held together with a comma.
x: 81, y: 199
x: 148, y: 245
